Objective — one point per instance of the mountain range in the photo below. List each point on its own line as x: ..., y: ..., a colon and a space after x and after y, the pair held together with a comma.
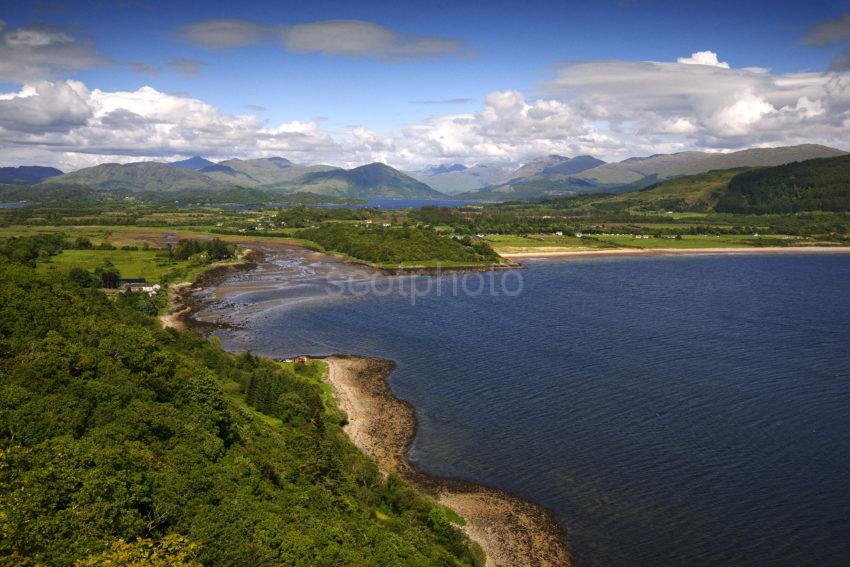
x: 820, y: 184
x: 457, y: 178
x: 551, y: 177
x: 273, y: 177
x: 269, y: 178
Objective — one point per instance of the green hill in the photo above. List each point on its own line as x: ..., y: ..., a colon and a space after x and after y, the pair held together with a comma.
x: 814, y: 185
x: 132, y: 178
x: 266, y: 179
x: 375, y: 180
x: 693, y: 193
x: 265, y: 172
x: 533, y: 189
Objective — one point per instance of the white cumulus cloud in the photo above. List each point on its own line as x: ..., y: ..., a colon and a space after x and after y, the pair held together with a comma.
x: 611, y: 109
x: 703, y: 58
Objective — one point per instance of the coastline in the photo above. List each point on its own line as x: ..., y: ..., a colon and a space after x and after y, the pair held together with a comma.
x: 677, y: 251
x: 181, y: 303
x: 511, y: 531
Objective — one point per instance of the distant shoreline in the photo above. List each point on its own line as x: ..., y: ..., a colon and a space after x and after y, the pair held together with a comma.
x: 511, y: 531
x: 679, y: 251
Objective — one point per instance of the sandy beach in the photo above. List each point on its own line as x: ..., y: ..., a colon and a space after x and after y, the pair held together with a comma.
x: 511, y: 531
x: 679, y: 251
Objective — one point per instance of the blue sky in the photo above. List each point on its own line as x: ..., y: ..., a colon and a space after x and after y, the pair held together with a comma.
x: 493, y: 47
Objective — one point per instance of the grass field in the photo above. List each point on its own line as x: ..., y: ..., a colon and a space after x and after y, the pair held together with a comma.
x: 148, y: 264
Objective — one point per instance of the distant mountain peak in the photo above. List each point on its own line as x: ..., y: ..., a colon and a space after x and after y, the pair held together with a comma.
x: 373, y: 180
x: 279, y: 161
x: 554, y: 164
x: 444, y: 168
x: 195, y: 163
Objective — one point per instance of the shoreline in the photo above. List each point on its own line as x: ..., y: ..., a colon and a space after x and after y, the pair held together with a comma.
x: 510, y: 530
x: 181, y: 303
x: 678, y: 251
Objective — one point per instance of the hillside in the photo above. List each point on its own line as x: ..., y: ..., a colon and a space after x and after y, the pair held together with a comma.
x: 375, y: 180
x: 253, y: 179
x: 553, y: 165
x: 457, y: 178
x: 148, y: 176
x: 547, y: 176
x: 397, y: 246
x: 27, y: 174
x: 813, y: 185
x: 121, y: 439
x: 637, y: 173
x: 262, y: 172
x: 693, y: 193
x: 821, y: 184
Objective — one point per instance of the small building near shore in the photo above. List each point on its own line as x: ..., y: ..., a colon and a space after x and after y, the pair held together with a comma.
x: 138, y: 285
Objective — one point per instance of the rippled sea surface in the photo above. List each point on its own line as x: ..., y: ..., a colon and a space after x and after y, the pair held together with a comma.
x: 669, y: 410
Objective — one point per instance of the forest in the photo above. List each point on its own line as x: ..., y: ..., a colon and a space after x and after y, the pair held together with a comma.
x: 813, y: 185
x: 121, y: 439
x: 397, y: 245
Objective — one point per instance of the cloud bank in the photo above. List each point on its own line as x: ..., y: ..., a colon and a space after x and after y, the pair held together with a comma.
x: 611, y: 109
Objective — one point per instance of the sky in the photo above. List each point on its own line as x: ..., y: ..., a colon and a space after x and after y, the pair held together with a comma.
x: 416, y: 83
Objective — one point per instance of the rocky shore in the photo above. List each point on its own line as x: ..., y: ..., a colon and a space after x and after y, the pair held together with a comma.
x: 512, y: 531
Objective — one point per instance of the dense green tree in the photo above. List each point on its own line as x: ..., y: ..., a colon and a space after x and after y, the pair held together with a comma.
x: 813, y: 185
x: 118, y: 445
x: 396, y: 245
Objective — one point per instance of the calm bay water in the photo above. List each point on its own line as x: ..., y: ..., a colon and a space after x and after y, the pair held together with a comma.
x: 669, y: 410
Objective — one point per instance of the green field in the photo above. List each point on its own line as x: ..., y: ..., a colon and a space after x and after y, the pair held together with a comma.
x: 151, y: 265
x: 686, y: 242
x: 148, y: 264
